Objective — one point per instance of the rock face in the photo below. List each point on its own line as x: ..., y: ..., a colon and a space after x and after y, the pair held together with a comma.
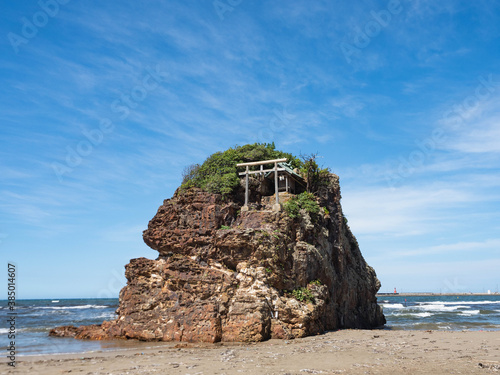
x: 226, y: 275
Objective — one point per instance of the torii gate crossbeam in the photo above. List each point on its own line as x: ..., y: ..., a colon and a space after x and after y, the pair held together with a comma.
x: 247, y: 172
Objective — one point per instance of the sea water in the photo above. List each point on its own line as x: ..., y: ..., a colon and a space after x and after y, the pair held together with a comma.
x: 442, y: 312
x: 35, y: 318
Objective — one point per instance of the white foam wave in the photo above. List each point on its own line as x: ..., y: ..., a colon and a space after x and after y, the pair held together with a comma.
x: 6, y: 330
x: 470, y: 312
x: 392, y: 305
x: 440, y: 307
x: 446, y: 328
x: 408, y: 313
x: 462, y: 303
x: 110, y: 315
x: 73, y: 307
x: 424, y: 314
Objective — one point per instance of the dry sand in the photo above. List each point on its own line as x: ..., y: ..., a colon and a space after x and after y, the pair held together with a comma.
x: 341, y: 352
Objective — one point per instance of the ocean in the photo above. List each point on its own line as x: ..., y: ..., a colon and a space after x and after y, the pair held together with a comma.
x: 442, y: 312
x: 35, y: 318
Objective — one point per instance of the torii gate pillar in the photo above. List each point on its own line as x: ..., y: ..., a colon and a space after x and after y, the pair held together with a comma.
x: 276, y: 206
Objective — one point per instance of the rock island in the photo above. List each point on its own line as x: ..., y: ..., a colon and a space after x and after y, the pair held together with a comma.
x: 253, y: 245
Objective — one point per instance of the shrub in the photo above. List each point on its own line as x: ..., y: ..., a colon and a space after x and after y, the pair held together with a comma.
x: 305, y: 200
x: 303, y: 295
x: 222, y: 184
x: 190, y: 172
x: 224, y: 227
x: 314, y: 175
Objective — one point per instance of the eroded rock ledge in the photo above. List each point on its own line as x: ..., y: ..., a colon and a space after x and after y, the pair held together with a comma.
x: 245, y: 283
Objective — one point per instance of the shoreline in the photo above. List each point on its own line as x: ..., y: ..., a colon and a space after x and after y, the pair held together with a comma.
x: 123, y: 345
x: 379, y: 351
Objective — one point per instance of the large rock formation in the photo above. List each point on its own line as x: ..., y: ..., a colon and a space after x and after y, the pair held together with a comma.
x: 227, y: 275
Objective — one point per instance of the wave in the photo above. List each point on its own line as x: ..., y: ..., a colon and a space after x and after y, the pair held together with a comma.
x: 110, y: 315
x: 470, y: 312
x: 392, y: 305
x: 426, y: 307
x: 411, y: 313
x: 444, y: 328
x: 440, y: 307
x: 489, y: 312
x: 460, y: 303
x: 424, y: 314
x: 6, y: 330
x: 72, y: 307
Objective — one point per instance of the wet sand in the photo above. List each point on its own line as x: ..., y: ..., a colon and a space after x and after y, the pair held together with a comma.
x: 341, y: 352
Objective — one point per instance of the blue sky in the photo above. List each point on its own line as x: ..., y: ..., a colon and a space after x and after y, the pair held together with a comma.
x: 104, y: 103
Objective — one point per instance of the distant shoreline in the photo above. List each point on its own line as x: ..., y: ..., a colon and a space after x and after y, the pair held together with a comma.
x: 426, y: 294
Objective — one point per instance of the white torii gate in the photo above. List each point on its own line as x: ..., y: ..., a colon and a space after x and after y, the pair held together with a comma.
x: 277, y: 206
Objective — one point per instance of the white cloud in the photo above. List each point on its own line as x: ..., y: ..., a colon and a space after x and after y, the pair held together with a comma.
x: 347, y: 105
x: 472, y: 123
x: 404, y: 211
x: 484, y: 138
x: 477, y: 247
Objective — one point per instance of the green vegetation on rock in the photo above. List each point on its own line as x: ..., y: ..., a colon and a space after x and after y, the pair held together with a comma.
x: 315, y: 176
x: 305, y: 200
x: 303, y: 295
x: 219, y: 174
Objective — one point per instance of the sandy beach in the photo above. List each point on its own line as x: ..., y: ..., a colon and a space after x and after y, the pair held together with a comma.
x: 341, y: 352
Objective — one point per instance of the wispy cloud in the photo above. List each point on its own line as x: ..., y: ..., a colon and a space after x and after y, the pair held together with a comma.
x: 405, y: 211
x: 479, y: 249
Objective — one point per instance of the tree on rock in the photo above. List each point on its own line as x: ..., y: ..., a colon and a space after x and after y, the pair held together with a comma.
x: 312, y: 173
